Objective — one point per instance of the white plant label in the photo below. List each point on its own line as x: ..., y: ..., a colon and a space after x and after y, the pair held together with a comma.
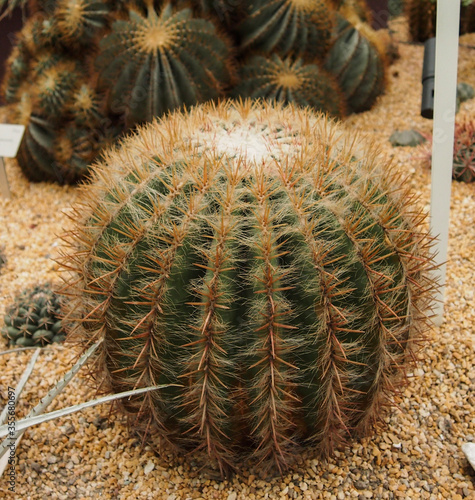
x: 10, y: 138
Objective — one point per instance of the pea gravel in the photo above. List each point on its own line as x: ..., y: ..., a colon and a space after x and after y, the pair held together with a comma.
x: 418, y: 454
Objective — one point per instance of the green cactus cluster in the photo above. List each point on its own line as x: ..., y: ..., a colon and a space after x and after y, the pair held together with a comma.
x: 263, y: 262
x: 84, y: 72
x: 34, y: 319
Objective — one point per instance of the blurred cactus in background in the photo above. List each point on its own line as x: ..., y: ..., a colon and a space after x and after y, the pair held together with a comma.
x: 84, y: 72
x: 421, y: 16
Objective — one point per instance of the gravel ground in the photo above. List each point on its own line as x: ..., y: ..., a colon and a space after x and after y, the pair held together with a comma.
x: 417, y: 455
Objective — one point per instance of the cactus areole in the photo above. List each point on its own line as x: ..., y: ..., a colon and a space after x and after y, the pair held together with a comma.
x: 264, y: 260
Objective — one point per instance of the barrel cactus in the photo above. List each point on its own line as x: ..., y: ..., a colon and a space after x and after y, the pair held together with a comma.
x: 34, y: 318
x: 262, y: 259
x: 155, y: 63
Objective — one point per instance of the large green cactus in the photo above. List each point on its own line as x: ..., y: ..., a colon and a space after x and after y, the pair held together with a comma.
x: 259, y: 259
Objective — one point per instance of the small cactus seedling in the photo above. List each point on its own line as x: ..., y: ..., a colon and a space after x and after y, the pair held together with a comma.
x: 301, y: 27
x: 290, y: 81
x: 34, y: 318
x: 265, y: 260
x: 153, y: 64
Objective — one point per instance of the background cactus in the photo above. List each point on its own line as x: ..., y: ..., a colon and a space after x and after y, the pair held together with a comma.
x: 357, y: 66
x: 290, y: 81
x: 49, y: 94
x: 34, y: 318
x: 255, y: 257
x: 300, y: 27
x: 157, y: 63
x: 86, y: 71
x: 421, y: 16
x: 463, y: 167
x: 79, y: 21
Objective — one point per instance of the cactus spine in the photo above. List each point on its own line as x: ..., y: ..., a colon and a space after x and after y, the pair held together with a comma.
x: 250, y: 254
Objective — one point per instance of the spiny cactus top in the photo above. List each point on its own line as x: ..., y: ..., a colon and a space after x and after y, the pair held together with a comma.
x: 259, y: 259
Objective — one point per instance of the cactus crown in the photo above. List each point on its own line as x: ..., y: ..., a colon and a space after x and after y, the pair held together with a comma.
x: 290, y: 80
x: 260, y: 259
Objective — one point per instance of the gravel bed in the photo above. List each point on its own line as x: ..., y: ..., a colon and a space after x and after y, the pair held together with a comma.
x: 418, y: 453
